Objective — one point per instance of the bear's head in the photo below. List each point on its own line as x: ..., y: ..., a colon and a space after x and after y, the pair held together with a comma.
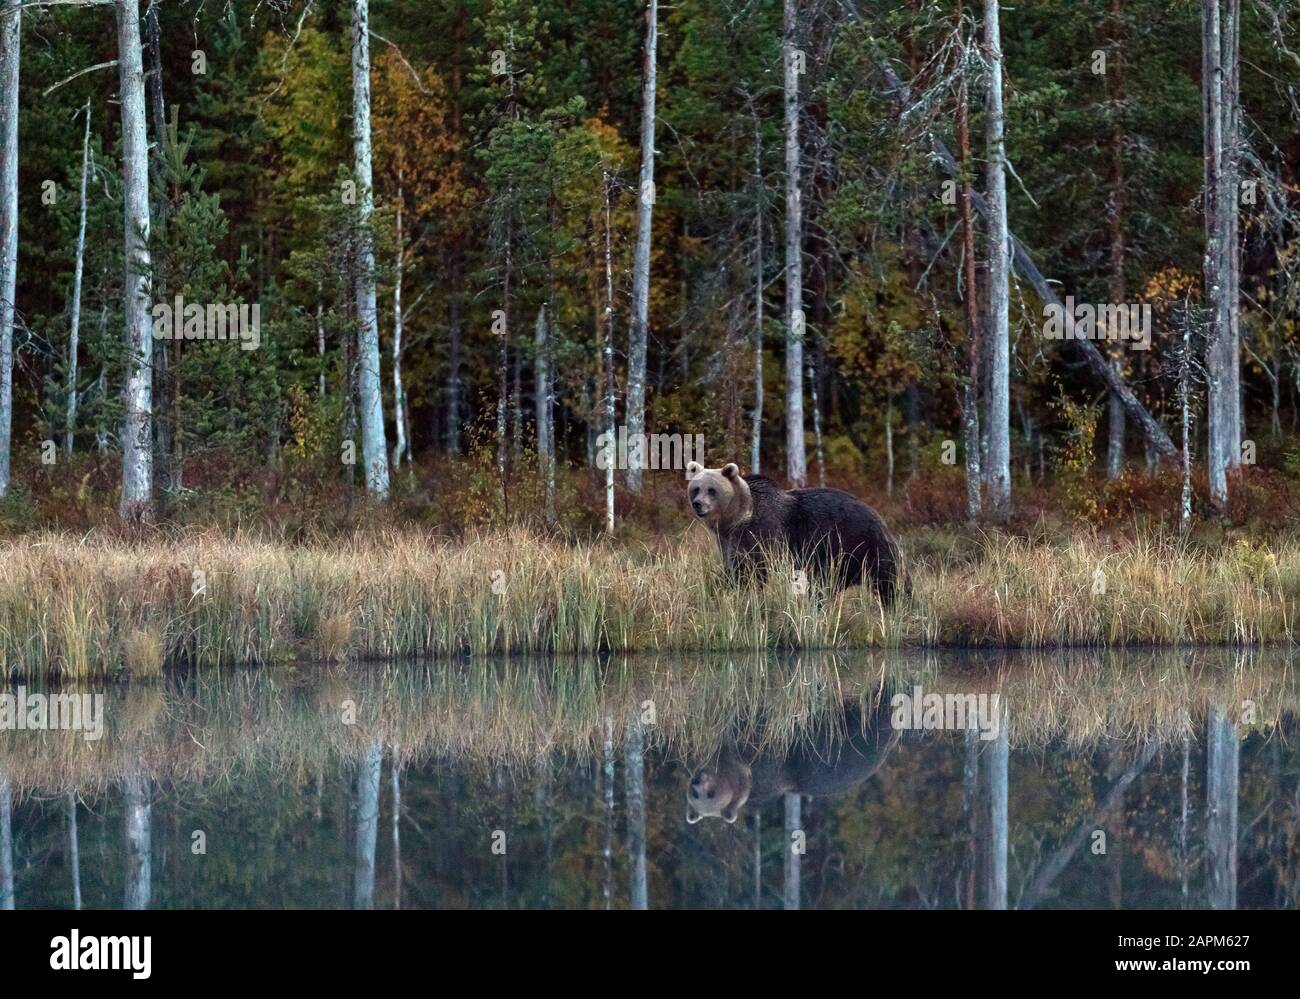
x: 718, y: 793
x: 718, y: 496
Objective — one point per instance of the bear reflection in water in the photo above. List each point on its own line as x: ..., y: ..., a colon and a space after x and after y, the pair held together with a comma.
x: 836, y: 759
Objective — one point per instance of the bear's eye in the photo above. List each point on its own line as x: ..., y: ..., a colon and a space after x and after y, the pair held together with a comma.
x: 712, y: 491
x: 695, y: 492
x: 711, y: 793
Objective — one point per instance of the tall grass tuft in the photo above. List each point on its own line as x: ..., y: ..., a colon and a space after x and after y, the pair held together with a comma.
x: 78, y: 607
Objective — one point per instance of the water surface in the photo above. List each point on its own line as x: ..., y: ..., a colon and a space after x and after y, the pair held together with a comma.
x: 1101, y: 781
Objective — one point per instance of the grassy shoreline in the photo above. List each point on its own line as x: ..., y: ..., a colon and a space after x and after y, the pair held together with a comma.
x: 78, y: 607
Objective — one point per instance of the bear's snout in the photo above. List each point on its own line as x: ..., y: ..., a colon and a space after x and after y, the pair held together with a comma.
x: 699, y: 508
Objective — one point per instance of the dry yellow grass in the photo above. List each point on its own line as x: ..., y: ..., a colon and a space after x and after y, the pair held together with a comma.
x: 80, y: 607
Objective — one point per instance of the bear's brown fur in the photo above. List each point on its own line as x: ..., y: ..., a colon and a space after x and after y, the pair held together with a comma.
x: 828, y: 764
x: 835, y: 534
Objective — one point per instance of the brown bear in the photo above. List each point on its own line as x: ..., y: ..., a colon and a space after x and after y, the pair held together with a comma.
x: 826, y: 764
x: 835, y: 534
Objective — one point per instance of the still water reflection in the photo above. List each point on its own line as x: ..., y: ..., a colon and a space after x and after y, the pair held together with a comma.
x: 882, y: 781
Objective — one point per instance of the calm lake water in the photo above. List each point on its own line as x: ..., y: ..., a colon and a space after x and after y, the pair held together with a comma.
x: 1079, y: 781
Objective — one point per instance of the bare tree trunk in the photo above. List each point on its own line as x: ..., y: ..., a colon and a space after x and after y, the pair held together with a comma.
x: 1229, y: 215
x: 999, y: 468
x: 638, y: 341
x: 367, y: 832
x: 10, y: 44
x: 137, y: 427
x: 1116, y: 422
x: 74, y: 323
x: 399, y: 395
x: 74, y: 849
x: 1219, y: 82
x: 793, y: 825
x: 503, y: 360
x: 792, y: 59
x: 970, y: 302
x: 1211, y: 94
x: 542, y: 407
x: 320, y: 338
x: 817, y: 426
x: 634, y: 780
x: 453, y: 352
x: 889, y: 445
x: 374, y: 447
x: 756, y: 438
x: 139, y: 862
x: 610, y: 429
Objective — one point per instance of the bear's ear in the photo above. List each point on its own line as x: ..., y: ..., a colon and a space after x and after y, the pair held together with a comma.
x: 693, y: 469
x: 731, y: 470
x: 730, y: 814
x: 692, y: 816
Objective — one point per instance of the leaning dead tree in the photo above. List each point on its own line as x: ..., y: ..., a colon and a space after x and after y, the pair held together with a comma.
x: 1024, y: 265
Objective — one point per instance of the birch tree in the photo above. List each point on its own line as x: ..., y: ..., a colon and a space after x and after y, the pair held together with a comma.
x: 638, y: 340
x: 374, y: 448
x: 792, y: 59
x: 74, y: 324
x: 1220, y: 23
x: 399, y: 391
x: 10, y: 39
x: 137, y: 428
x: 998, y: 475
x: 607, y: 325
x: 1116, y: 422
x: 970, y: 294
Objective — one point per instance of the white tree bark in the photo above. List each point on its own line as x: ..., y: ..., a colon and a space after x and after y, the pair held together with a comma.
x: 610, y: 429
x: 374, y: 447
x: 999, y: 338
x: 137, y: 424
x: 639, y: 333
x: 399, y: 395
x: 1212, y: 106
x: 10, y: 40
x: 756, y: 437
x: 544, y: 405
x: 796, y: 463
x: 74, y: 326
